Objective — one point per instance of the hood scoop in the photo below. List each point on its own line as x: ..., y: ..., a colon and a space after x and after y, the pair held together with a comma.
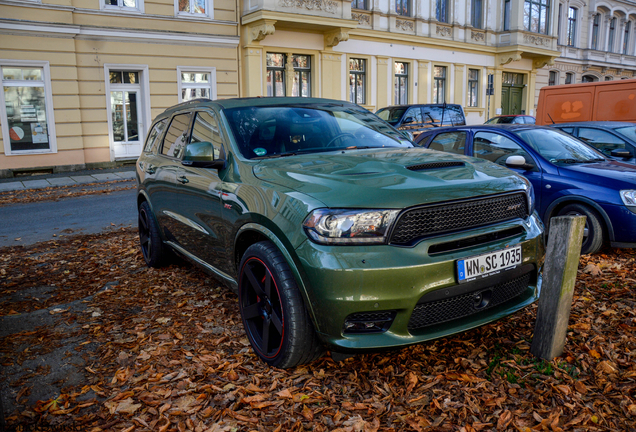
x: 435, y: 165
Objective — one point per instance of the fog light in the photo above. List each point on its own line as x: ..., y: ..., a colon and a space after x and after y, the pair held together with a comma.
x: 369, y: 322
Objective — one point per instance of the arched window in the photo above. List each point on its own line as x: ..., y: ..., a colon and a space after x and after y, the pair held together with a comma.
x: 569, y: 78
x: 553, y: 78
x: 588, y: 78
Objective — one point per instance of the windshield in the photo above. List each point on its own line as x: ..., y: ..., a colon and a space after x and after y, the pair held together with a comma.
x: 391, y: 115
x: 628, y: 131
x: 276, y: 131
x: 559, y: 147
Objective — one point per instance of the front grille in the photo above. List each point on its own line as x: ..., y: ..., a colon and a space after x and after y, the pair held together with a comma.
x: 439, y: 311
x: 434, y: 165
x: 422, y: 222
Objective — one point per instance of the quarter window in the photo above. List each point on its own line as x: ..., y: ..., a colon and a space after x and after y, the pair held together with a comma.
x: 536, y: 15
x: 154, y: 135
x: 206, y: 129
x: 357, y: 81
x: 196, y: 83
x: 401, y: 83
x: 176, y: 136
x: 439, y: 85
x: 473, y: 87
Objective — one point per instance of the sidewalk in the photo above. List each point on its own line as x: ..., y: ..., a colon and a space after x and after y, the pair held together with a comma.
x: 67, y: 179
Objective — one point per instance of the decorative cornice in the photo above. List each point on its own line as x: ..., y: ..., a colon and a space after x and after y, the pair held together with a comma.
x: 333, y: 38
x: 505, y: 58
x: 536, y: 40
x: 363, y: 19
x: 404, y: 25
x: 443, y: 30
x: 259, y: 31
x: 328, y: 6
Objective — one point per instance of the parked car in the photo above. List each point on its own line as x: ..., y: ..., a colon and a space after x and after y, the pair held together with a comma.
x: 512, y: 118
x: 414, y: 119
x: 332, y: 227
x: 616, y: 140
x: 569, y: 177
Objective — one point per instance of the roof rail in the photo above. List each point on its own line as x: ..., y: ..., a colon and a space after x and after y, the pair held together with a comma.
x: 190, y: 102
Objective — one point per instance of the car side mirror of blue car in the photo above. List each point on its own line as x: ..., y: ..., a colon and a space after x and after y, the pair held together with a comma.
x: 621, y: 153
x: 518, y: 162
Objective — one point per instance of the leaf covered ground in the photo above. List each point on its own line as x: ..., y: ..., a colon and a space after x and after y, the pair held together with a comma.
x: 164, y: 350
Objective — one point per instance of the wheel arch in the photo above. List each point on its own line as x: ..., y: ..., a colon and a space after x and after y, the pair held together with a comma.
x: 559, y: 203
x: 251, y: 233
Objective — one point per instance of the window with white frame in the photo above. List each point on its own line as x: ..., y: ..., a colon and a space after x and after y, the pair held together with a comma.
x: 553, y: 78
x: 439, y: 84
x: 569, y: 78
x: 403, y: 7
x: 357, y: 80
x: 199, y: 8
x: 473, y: 87
x: 123, y: 5
x: 506, y: 23
x: 27, y: 110
x: 595, y: 31
x: 195, y: 83
x: 401, y: 96
x: 572, y: 16
x: 536, y: 15
x: 628, y: 26
x: 442, y: 10
x: 611, y: 35
x: 477, y: 7
x: 559, y: 19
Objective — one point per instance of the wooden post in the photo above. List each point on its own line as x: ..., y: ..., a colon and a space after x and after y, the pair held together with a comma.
x: 559, y: 276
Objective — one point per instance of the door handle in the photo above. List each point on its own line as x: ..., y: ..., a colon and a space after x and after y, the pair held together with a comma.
x: 183, y: 179
x: 151, y: 169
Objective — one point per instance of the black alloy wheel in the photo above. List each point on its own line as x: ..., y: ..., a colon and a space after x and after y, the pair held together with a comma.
x: 272, y: 309
x: 153, y: 249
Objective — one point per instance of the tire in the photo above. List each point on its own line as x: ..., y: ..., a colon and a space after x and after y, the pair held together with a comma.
x: 593, y: 234
x: 273, y: 312
x: 156, y: 254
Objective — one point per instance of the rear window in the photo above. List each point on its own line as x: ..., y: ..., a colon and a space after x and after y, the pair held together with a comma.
x: 451, y: 115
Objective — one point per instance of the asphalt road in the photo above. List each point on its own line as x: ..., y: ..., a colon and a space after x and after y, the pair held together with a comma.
x: 26, y: 224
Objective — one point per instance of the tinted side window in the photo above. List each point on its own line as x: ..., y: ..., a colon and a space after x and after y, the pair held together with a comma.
x: 602, y: 140
x: 206, y: 129
x: 569, y: 130
x: 452, y: 142
x: 413, y: 115
x: 176, y: 136
x: 497, y: 148
x: 153, y: 136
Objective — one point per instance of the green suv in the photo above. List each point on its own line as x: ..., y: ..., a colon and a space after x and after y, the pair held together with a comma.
x: 333, y: 229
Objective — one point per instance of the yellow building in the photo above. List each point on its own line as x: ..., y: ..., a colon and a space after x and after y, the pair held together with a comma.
x: 388, y: 52
x: 82, y: 79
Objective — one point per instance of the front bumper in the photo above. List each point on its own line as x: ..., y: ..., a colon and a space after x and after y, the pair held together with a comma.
x: 344, y: 280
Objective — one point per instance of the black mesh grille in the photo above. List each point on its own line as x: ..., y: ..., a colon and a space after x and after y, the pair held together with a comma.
x: 431, y: 220
x: 371, y: 316
x: 439, y: 311
x: 434, y: 165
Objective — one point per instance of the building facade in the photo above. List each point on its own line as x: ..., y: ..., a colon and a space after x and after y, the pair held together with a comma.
x: 82, y: 79
x: 386, y: 52
x: 596, y: 40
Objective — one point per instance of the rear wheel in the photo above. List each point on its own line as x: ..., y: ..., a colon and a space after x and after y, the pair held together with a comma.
x: 272, y: 309
x: 593, y: 231
x: 155, y: 252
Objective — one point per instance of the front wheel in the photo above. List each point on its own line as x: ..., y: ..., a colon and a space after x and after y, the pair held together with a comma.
x: 593, y: 231
x: 272, y: 309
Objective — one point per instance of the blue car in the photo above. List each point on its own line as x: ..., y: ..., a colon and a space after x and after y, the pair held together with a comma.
x: 568, y: 176
x: 616, y: 140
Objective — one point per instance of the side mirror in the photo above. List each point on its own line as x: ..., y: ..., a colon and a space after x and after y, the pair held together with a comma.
x: 621, y: 153
x: 201, y: 155
x: 518, y: 162
x: 409, y: 120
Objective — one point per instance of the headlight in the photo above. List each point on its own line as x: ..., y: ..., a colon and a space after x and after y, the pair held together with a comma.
x: 349, y: 227
x: 629, y: 197
x: 530, y: 192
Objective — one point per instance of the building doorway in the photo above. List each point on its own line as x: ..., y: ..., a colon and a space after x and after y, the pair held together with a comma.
x: 125, y: 113
x: 512, y: 93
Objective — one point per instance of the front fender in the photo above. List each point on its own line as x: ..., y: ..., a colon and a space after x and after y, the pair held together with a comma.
x: 568, y: 199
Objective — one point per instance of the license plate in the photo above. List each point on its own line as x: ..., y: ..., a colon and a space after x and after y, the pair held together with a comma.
x: 488, y: 264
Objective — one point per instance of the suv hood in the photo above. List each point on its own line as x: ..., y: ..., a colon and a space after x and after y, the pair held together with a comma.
x: 387, y: 178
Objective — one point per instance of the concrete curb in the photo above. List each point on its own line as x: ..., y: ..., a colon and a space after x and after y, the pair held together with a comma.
x: 66, y: 181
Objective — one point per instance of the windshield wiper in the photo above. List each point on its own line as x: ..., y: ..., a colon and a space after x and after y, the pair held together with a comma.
x: 596, y: 160
x: 570, y: 161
